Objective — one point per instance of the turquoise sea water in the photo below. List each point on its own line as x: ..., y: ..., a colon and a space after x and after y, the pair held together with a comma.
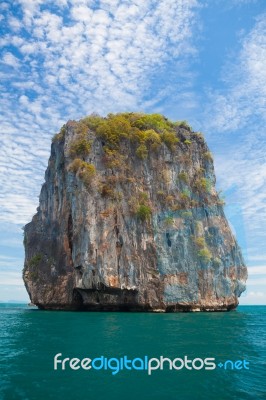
x: 30, y: 339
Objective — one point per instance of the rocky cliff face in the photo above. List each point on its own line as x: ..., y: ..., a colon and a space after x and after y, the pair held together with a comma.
x: 129, y: 219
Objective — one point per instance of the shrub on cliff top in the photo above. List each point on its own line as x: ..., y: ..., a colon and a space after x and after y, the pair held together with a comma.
x: 92, y: 121
x: 148, y: 139
x: 156, y: 122
x: 170, y: 139
x: 81, y: 129
x: 113, y: 128
x: 80, y: 147
x: 148, y: 130
x: 199, y: 135
x: 152, y: 138
x: 59, y: 136
x: 184, y: 125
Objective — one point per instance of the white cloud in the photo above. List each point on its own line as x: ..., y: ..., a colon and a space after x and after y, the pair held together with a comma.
x: 74, y: 59
x: 257, y: 257
x: 256, y: 282
x: 4, y: 6
x: 244, y: 101
x: 257, y: 294
x: 13, y: 293
x: 241, y: 169
x: 10, y: 60
x: 10, y: 278
x: 239, y: 113
x: 10, y: 262
x: 14, y: 23
x: 253, y: 297
x: 258, y: 270
x: 11, y: 242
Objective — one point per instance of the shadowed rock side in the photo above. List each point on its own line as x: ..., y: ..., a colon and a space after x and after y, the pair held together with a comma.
x: 129, y: 219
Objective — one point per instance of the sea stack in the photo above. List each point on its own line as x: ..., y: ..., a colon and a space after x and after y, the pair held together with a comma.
x: 130, y: 220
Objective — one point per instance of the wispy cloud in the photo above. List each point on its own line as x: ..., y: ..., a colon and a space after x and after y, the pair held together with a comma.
x: 254, y: 297
x: 257, y: 294
x: 242, y: 174
x: 9, y: 261
x: 65, y: 59
x: 10, y: 242
x: 236, y: 115
x: 258, y: 270
x: 10, y: 60
x: 13, y: 292
x: 257, y: 282
x: 243, y: 99
x: 10, y: 278
x: 257, y: 257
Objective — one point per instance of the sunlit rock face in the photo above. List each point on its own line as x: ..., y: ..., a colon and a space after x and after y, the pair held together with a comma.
x: 129, y: 219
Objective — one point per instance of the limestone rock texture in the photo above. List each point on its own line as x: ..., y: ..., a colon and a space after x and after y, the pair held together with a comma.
x: 129, y: 219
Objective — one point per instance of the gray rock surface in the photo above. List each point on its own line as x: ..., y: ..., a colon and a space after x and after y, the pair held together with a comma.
x: 90, y: 248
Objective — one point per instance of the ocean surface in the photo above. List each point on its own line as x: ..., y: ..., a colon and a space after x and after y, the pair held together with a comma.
x: 29, y: 340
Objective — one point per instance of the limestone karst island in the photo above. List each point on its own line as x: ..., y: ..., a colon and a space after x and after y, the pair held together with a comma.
x: 129, y: 219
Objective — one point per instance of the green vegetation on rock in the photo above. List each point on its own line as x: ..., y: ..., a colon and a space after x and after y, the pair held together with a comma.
x: 143, y: 212
x: 80, y: 147
x: 59, y: 136
x: 184, y: 125
x: 207, y: 156
x: 170, y: 139
x: 156, y: 122
x: 186, y: 214
x: 200, y: 242
x: 142, y: 151
x: 83, y: 170
x: 204, y: 254
x: 183, y: 176
x: 185, y: 196
x: 35, y: 260
x: 203, y: 185
x: 148, y: 131
x: 92, y: 121
x: 169, y: 221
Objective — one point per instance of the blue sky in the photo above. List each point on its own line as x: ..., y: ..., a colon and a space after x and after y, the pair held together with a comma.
x: 203, y: 61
